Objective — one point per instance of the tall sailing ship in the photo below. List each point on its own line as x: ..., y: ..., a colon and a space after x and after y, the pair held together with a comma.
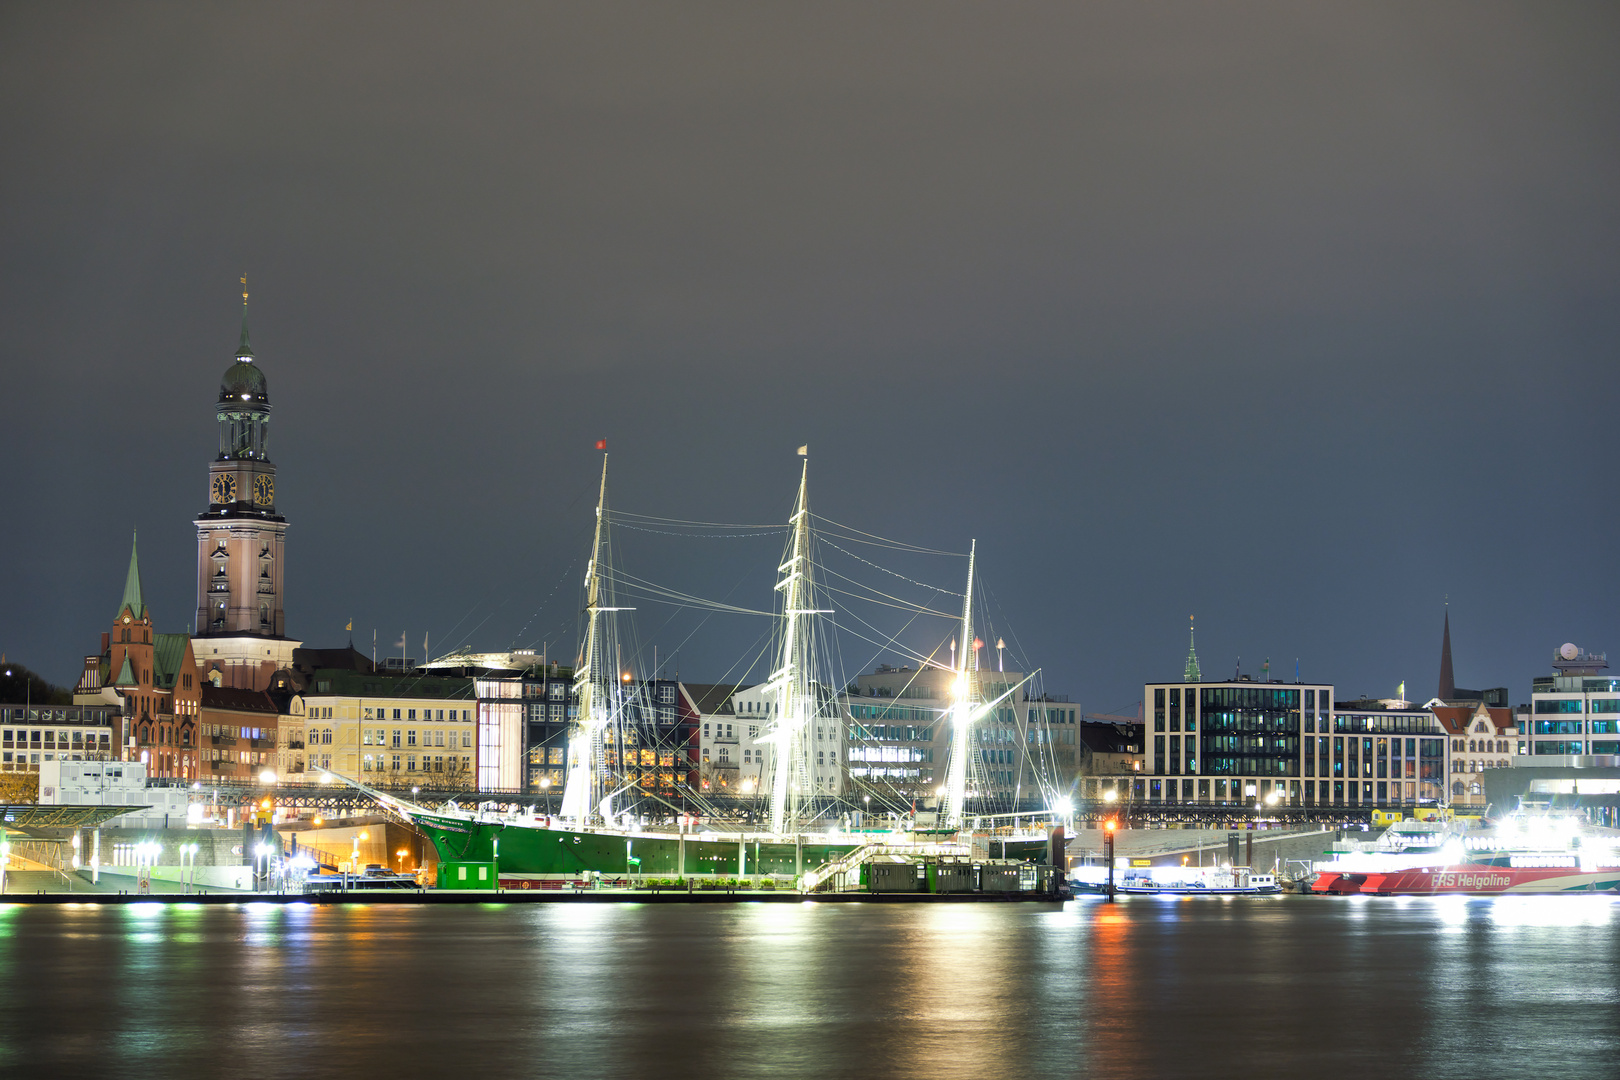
x: 591, y: 834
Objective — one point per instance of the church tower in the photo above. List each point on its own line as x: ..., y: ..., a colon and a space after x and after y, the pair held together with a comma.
x: 241, y: 539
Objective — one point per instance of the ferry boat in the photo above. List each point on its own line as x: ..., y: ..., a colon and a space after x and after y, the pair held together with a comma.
x: 1526, y: 852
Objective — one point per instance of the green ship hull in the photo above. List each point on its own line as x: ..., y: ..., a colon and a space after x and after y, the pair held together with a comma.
x: 524, y: 849
x: 520, y: 849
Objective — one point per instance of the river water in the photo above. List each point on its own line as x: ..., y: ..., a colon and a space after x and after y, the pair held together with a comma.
x: 1147, y: 987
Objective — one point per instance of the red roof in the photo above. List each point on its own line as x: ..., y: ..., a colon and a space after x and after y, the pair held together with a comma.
x: 1457, y: 719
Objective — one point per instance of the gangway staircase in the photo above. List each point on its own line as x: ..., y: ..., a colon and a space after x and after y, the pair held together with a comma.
x: 843, y: 874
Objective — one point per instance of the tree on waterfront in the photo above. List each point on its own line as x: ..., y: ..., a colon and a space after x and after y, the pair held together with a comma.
x: 19, y: 789
x: 19, y: 685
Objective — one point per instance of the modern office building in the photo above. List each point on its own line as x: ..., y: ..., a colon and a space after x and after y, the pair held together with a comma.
x: 1248, y: 743
x: 1576, y: 711
x: 1397, y: 747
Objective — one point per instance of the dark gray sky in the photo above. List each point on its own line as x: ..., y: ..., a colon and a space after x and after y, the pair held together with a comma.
x: 1296, y: 317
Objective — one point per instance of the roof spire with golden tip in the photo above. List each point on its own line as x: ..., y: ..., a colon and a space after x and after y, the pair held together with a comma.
x: 244, y: 352
x: 1191, y: 674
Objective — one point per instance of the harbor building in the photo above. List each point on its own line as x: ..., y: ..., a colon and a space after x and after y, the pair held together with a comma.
x: 1574, y: 712
x: 1024, y: 751
x: 31, y: 735
x: 1247, y: 743
x: 1110, y: 758
x: 726, y: 747
x: 1479, y: 738
x: 1399, y: 748
x: 383, y: 730
x: 238, y: 732
x: 740, y: 757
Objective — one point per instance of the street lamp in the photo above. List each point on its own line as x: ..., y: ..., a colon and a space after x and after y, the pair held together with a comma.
x: 400, y: 855
x: 1108, y: 852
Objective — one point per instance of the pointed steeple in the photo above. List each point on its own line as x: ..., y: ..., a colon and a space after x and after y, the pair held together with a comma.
x: 132, y: 584
x: 126, y: 674
x: 245, y: 352
x: 1448, y: 684
x: 1191, y: 674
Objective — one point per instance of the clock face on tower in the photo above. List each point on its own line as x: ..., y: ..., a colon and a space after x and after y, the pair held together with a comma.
x: 264, y: 491
x: 224, y: 488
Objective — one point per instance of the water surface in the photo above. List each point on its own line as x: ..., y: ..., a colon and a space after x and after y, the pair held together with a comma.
x: 1148, y: 987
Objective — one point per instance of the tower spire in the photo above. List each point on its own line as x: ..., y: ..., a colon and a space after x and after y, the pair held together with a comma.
x: 132, y: 583
x: 1191, y: 673
x: 1448, y: 684
x: 244, y: 352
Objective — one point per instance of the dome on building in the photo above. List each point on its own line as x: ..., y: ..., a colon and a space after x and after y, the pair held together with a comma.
x: 243, y: 381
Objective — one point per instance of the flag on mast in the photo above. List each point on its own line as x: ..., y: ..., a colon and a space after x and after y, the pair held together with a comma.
x: 601, y: 444
x: 804, y: 451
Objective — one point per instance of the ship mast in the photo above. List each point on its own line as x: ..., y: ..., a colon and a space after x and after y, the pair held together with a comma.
x: 795, y: 702
x: 965, y: 692
x: 581, y: 794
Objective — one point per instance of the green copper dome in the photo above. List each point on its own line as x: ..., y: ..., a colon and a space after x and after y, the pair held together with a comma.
x: 243, y: 381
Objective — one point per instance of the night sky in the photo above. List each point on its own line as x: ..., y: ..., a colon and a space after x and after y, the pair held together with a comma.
x: 1299, y: 318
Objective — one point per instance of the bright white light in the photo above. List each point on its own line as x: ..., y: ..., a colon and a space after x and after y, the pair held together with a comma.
x: 1110, y: 795
x: 267, y: 777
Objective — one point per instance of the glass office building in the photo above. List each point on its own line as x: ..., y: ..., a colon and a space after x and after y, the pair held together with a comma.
x: 1274, y: 744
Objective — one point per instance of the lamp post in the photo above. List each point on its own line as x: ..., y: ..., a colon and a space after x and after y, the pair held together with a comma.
x: 1108, y: 849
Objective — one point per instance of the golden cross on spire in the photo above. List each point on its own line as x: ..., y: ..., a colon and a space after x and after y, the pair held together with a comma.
x: 244, y: 289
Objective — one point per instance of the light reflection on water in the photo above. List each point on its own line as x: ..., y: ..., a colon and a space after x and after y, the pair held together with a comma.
x: 1145, y: 987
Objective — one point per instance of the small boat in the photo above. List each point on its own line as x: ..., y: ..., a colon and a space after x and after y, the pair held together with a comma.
x: 375, y: 878
x: 1179, y: 881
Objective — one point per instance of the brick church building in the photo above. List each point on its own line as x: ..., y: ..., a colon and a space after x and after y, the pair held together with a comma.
x: 193, y: 706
